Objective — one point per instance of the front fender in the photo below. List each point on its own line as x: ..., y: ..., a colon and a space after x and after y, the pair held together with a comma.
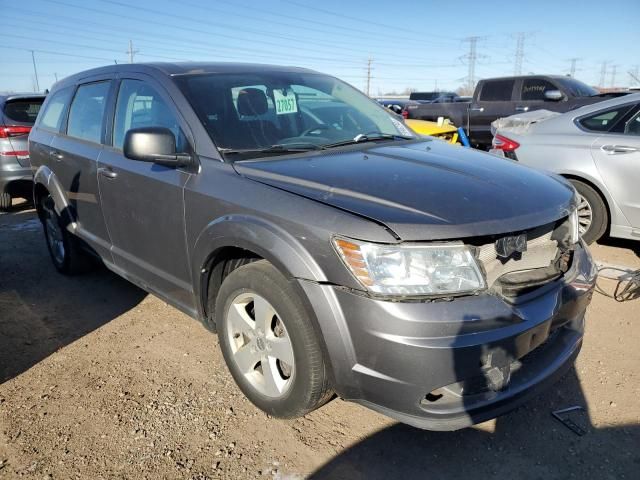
x: 256, y: 235
x: 45, y: 177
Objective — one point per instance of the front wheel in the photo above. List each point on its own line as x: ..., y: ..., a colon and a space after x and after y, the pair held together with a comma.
x: 269, y: 343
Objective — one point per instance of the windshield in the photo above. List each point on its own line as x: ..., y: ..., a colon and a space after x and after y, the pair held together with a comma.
x: 254, y: 111
x: 577, y: 88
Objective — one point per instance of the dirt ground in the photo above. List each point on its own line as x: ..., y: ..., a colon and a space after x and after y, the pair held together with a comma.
x: 100, y: 380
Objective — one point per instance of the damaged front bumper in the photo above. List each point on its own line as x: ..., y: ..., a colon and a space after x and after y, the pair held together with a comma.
x: 445, y: 365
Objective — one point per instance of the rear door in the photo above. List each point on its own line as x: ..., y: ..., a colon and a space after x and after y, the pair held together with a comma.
x: 142, y: 201
x: 494, y: 101
x: 73, y: 157
x: 617, y: 157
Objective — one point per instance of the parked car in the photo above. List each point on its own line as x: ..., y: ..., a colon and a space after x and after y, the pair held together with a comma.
x: 501, y: 97
x: 597, y: 148
x: 330, y: 248
x: 434, y: 97
x: 397, y: 105
x: 17, y: 114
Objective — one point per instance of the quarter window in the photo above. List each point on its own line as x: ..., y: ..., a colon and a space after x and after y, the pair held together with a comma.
x: 86, y: 115
x: 140, y: 105
x: 604, y: 121
x: 497, y: 91
x: 534, y: 88
x: 53, y: 112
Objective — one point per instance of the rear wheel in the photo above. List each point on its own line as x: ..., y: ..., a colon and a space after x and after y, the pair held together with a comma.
x: 5, y: 201
x: 269, y: 343
x: 593, y: 217
x: 64, y: 248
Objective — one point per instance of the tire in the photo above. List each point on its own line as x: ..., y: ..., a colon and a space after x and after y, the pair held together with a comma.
x: 599, y: 215
x: 302, y: 386
x: 65, y: 251
x: 5, y: 201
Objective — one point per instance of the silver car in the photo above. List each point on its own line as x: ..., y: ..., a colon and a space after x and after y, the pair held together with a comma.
x: 597, y: 148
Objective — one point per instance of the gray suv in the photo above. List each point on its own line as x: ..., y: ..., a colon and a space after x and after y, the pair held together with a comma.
x: 333, y: 250
x: 17, y: 114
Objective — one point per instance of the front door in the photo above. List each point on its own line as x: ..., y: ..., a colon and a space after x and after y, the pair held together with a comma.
x: 617, y: 157
x: 143, y: 202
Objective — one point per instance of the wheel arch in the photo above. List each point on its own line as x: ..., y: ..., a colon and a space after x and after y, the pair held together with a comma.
x: 606, y: 198
x: 45, y: 182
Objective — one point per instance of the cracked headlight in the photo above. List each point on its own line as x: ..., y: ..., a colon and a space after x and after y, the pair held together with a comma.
x: 574, y: 227
x: 434, y: 269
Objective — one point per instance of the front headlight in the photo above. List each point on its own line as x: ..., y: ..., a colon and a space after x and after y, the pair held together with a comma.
x: 412, y: 269
x: 574, y: 227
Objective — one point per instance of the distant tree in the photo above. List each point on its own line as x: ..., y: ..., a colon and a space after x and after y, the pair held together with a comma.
x: 464, y: 91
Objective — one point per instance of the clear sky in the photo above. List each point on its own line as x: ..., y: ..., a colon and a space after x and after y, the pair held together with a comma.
x: 418, y: 44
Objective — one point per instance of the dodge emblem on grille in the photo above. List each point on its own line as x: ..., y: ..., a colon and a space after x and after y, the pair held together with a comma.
x: 507, y: 246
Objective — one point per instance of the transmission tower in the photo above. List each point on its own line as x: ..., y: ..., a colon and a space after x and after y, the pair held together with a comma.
x: 603, y: 74
x: 517, y: 67
x: 613, y: 75
x: 369, y: 61
x: 131, y: 52
x: 572, y: 69
x: 472, y: 58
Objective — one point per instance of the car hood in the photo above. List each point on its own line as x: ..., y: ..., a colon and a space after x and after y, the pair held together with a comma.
x: 422, y: 191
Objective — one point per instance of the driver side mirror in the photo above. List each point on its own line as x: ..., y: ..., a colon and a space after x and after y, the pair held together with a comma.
x: 553, y: 95
x: 153, y: 144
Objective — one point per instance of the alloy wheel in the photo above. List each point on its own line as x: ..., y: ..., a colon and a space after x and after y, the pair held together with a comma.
x: 585, y: 215
x: 260, y: 344
x: 54, y: 234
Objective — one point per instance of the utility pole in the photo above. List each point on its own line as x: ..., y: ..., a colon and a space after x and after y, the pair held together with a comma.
x: 55, y: 75
x: 35, y: 70
x: 572, y: 69
x: 603, y: 74
x: 131, y: 52
x: 613, y: 75
x: 369, y: 75
x: 472, y: 58
x: 519, y: 57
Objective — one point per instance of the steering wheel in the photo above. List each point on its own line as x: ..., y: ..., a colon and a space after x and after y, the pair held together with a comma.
x: 317, y: 128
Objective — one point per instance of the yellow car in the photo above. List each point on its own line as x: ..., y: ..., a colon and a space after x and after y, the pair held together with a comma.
x: 443, y: 130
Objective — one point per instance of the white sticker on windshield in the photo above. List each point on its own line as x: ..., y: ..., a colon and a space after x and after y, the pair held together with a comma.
x: 285, y: 101
x: 401, y: 128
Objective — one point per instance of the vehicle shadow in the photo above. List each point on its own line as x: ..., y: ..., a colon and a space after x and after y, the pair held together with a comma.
x: 41, y: 310
x: 626, y: 244
x: 525, y: 444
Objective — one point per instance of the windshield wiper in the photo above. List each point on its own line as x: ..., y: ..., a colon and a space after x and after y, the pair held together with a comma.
x: 274, y: 149
x: 369, y: 137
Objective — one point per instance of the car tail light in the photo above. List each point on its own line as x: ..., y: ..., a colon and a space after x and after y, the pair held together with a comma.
x: 405, y: 114
x: 14, y: 131
x: 503, y: 143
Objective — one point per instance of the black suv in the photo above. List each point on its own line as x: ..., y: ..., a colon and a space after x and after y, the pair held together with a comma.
x: 331, y: 249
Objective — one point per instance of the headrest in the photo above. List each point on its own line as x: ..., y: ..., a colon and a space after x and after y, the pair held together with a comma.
x: 252, y: 101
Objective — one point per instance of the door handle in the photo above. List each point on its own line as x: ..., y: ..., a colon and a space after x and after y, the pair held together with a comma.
x: 618, y: 149
x: 56, y: 154
x: 107, y: 172
x: 522, y: 109
x: 476, y: 109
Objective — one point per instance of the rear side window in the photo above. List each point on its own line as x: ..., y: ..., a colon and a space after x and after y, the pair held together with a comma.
x: 140, y: 105
x: 86, y: 115
x: 534, y: 88
x: 53, y: 112
x: 604, y: 121
x: 23, y: 110
x: 497, y: 91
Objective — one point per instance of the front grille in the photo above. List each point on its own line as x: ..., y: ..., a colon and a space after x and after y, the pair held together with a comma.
x: 542, y: 251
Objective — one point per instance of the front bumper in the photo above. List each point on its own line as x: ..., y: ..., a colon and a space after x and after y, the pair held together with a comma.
x: 446, y: 365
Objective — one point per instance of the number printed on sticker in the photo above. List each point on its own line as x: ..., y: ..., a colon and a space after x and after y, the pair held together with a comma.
x: 285, y: 103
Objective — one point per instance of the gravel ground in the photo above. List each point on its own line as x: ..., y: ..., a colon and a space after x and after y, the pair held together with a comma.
x: 100, y: 380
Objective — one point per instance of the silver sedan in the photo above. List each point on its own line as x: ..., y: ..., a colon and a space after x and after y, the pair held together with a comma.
x: 596, y: 147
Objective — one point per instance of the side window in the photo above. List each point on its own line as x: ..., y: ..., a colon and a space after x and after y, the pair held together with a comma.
x: 534, y: 88
x: 86, y: 115
x: 604, y: 121
x: 51, y: 117
x: 140, y: 105
x: 497, y: 91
